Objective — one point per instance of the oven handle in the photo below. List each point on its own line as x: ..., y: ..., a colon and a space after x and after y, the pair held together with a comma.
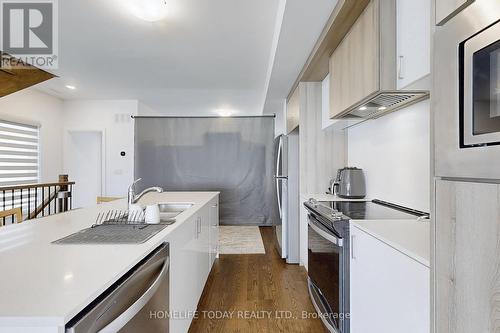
x: 317, y: 307
x: 333, y: 239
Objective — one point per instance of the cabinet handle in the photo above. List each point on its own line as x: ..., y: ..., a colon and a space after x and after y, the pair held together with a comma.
x: 353, y: 254
x: 197, y: 227
x: 215, y: 206
x: 401, y: 73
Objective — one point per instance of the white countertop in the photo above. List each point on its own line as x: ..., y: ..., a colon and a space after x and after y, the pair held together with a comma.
x: 410, y: 237
x: 44, y: 284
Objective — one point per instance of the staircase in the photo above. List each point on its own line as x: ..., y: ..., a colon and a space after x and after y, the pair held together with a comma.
x: 16, y: 75
x: 36, y: 200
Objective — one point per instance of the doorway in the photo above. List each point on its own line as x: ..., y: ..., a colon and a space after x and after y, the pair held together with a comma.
x: 83, y: 161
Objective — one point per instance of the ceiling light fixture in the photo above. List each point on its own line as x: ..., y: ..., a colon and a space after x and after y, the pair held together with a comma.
x: 70, y: 87
x: 148, y: 10
x: 363, y: 108
x: 225, y: 112
x: 382, y: 108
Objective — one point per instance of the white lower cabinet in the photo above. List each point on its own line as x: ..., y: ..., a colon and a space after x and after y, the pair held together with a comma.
x: 190, y: 264
x: 214, y: 232
x: 389, y: 290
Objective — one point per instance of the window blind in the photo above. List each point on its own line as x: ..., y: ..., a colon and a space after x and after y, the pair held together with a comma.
x: 19, y: 153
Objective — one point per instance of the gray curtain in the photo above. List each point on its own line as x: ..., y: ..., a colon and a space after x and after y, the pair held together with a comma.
x: 232, y: 155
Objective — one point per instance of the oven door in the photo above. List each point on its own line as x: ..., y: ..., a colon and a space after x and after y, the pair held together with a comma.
x: 325, y: 271
x: 481, y: 87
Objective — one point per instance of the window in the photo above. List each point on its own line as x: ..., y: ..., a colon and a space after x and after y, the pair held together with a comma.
x: 19, y: 152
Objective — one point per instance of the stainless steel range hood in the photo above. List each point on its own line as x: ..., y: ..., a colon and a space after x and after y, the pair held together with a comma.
x: 383, y: 102
x: 386, y: 97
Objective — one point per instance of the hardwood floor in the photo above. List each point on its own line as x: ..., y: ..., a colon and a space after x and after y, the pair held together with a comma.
x: 256, y: 293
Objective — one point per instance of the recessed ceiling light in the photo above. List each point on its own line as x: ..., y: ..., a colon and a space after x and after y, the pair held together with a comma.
x: 363, y: 108
x: 147, y: 10
x: 70, y: 87
x: 225, y: 112
x: 382, y: 108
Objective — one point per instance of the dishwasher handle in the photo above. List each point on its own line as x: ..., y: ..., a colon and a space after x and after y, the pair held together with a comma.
x: 128, y: 314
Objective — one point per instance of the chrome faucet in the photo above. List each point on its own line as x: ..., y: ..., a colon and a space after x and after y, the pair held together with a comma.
x: 133, y: 198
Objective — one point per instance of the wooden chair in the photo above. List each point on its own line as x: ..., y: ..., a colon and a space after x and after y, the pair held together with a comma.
x: 15, y: 212
x: 101, y: 200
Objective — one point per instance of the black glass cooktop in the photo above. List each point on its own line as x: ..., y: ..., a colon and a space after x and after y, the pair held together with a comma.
x: 372, y: 210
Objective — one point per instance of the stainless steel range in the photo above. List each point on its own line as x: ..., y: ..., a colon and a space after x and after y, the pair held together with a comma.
x: 329, y: 248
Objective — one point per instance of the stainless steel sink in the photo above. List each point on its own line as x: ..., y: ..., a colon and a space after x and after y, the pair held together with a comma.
x: 169, y: 210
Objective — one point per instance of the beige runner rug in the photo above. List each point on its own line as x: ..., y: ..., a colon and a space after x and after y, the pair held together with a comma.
x: 240, y: 240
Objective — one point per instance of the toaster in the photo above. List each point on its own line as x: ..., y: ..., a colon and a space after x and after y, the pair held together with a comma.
x: 350, y: 183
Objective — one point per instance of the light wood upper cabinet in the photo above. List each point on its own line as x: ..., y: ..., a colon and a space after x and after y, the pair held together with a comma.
x: 355, y: 63
x: 446, y: 9
x: 292, y: 111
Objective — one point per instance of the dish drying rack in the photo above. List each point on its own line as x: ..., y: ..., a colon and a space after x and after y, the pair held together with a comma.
x: 119, y: 217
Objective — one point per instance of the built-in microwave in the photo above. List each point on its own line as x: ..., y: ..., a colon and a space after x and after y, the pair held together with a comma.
x: 480, y: 88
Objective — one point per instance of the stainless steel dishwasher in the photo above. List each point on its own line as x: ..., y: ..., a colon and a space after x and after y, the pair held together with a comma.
x: 137, y: 302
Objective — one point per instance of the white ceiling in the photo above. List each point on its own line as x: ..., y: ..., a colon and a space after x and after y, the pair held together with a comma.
x: 303, y: 22
x: 205, y: 56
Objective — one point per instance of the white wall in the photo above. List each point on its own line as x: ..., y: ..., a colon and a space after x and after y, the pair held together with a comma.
x: 113, y: 117
x: 322, y: 152
x: 35, y: 107
x: 394, y: 153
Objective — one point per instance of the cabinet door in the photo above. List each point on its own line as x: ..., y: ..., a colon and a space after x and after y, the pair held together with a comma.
x: 413, y: 40
x: 446, y: 9
x: 467, y: 269
x: 184, y: 274
x: 355, y: 63
x: 214, y: 232
x: 203, y: 231
x: 389, y: 291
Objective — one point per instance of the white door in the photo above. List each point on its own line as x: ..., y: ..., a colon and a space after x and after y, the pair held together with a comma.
x: 83, y: 163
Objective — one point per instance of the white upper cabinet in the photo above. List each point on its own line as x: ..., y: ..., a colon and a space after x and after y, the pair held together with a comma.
x: 413, y: 41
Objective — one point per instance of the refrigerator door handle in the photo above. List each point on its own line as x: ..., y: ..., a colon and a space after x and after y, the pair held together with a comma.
x: 278, y: 194
x: 278, y: 177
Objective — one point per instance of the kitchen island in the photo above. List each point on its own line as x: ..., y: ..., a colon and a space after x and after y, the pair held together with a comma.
x: 45, y: 285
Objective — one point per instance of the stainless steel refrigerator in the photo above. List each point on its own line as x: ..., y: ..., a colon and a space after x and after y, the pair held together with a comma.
x: 286, y: 180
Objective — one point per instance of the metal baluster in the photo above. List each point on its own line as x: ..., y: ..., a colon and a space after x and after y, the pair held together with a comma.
x: 71, y: 197
x: 55, y: 200
x: 43, y: 201
x: 12, y: 197
x: 21, y: 196
x: 49, y: 199
x: 36, y: 202
x: 3, y: 197
x: 29, y: 202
